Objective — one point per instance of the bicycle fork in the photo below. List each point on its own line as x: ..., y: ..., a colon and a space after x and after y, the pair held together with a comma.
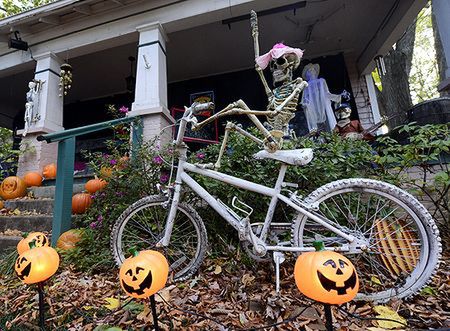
x: 173, y: 202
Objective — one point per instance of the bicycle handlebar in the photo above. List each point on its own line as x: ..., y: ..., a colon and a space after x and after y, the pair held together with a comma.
x: 195, y: 109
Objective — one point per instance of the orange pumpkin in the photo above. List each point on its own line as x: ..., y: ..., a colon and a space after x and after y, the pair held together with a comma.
x: 1, y: 204
x: 49, y: 171
x: 13, y: 187
x: 81, y: 202
x: 95, y: 185
x: 69, y: 239
x: 39, y: 238
x: 37, y: 264
x: 144, y: 274
x: 32, y: 178
x: 326, y: 276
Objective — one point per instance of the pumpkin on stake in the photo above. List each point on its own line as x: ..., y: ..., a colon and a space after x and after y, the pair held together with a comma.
x: 36, y: 265
x: 143, y: 274
x: 39, y: 238
x: 327, y: 277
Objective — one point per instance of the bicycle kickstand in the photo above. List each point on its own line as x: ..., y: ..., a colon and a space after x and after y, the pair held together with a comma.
x: 278, y: 258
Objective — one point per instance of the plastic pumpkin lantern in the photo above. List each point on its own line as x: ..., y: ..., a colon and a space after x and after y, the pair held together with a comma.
x: 13, y: 187
x: 144, y: 274
x: 37, y: 264
x: 81, y: 202
x: 49, y: 171
x: 39, y: 238
x: 69, y: 239
x: 326, y: 276
x: 95, y: 185
x: 32, y: 178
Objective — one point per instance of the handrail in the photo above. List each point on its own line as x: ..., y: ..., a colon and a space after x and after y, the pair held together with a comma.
x: 61, y: 135
x: 62, y: 211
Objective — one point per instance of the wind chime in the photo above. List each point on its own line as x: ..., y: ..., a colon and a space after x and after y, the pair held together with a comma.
x: 65, y: 80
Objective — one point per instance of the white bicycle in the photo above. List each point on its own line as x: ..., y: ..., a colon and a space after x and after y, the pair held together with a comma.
x: 390, y: 237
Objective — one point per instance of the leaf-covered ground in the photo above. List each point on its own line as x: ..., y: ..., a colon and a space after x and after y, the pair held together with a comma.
x: 236, y: 296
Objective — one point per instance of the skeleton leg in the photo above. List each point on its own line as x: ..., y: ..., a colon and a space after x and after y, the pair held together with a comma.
x: 230, y: 128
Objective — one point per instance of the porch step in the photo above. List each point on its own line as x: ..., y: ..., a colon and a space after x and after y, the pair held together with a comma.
x: 8, y: 241
x: 49, y: 191
x: 39, y: 206
x: 26, y: 223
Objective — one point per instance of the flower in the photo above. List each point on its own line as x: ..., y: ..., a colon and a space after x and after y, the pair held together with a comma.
x: 113, y: 162
x: 200, y: 156
x: 123, y: 110
x: 157, y: 160
x: 100, y: 218
x: 164, y: 177
x: 93, y: 225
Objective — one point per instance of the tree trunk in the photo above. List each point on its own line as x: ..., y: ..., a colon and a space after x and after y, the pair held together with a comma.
x: 440, y: 57
x: 395, y: 97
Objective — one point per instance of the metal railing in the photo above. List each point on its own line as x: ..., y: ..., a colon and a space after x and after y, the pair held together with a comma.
x: 62, y: 209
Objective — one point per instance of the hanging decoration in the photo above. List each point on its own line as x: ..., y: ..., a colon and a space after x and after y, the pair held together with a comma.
x: 65, y: 80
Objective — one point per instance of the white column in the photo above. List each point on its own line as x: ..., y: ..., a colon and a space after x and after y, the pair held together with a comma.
x: 151, y: 81
x: 49, y: 106
x: 442, y: 13
x: 373, y: 101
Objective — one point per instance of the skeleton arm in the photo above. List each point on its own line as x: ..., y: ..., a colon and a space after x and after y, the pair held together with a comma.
x: 255, y: 33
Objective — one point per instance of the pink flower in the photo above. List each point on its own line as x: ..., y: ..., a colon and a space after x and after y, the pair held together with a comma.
x: 164, y: 178
x: 100, y: 218
x: 123, y: 110
x: 200, y: 156
x: 157, y: 160
x: 113, y: 162
x: 93, y: 225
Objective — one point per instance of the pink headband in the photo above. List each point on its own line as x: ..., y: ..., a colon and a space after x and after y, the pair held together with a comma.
x: 277, y: 51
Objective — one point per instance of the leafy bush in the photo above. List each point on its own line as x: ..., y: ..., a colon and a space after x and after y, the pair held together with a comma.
x: 8, y: 156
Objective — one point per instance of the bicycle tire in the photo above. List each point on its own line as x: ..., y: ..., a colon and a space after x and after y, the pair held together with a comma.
x: 404, y: 246
x: 145, y: 219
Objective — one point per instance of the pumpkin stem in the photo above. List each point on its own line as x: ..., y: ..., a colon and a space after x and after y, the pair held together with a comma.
x: 25, y: 234
x: 133, y: 251
x: 32, y: 244
x: 318, y: 245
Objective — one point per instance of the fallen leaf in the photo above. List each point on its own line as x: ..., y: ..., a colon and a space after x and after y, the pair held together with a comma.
x: 388, y: 313
x: 217, y: 270
x: 113, y: 303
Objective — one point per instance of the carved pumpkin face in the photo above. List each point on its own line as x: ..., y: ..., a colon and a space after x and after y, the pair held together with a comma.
x: 12, y: 187
x: 37, y: 264
x: 326, y: 277
x: 144, y: 274
x: 39, y: 238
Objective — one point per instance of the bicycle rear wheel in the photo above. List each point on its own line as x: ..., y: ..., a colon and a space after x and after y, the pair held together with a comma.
x: 142, y: 225
x: 403, y: 244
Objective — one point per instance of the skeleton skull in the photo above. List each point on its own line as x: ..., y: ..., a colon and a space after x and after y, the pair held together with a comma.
x: 343, y: 112
x: 283, y: 67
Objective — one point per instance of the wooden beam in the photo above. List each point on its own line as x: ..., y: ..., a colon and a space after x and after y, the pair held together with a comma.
x: 53, y: 20
x: 119, y: 2
x: 83, y: 9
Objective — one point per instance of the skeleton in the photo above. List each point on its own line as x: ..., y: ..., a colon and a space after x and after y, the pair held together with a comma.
x: 283, y: 99
x: 32, y: 114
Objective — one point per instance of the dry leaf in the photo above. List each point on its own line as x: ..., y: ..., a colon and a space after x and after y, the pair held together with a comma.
x: 388, y: 313
x: 113, y: 303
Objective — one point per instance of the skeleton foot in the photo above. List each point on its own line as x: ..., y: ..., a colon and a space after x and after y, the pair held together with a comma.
x: 217, y: 165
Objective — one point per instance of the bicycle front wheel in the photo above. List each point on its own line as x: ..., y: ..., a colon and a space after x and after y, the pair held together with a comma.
x: 402, y: 241
x: 142, y: 226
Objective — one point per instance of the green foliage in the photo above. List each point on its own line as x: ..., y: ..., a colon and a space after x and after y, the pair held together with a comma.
x: 13, y: 7
x: 8, y: 156
x: 427, y: 151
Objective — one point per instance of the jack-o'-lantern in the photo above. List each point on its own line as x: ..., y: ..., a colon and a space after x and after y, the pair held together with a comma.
x: 144, y: 274
x: 37, y: 264
x: 326, y: 276
x: 39, y: 238
x: 49, y: 171
x: 12, y: 187
x: 32, y: 178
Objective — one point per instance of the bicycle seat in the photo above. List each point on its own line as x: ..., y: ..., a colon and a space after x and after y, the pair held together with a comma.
x: 290, y: 156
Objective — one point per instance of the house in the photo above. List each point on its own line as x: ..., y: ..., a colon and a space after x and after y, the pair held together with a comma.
x: 151, y: 56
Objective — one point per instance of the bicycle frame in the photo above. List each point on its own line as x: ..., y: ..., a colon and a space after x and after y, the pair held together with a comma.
x: 182, y: 177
